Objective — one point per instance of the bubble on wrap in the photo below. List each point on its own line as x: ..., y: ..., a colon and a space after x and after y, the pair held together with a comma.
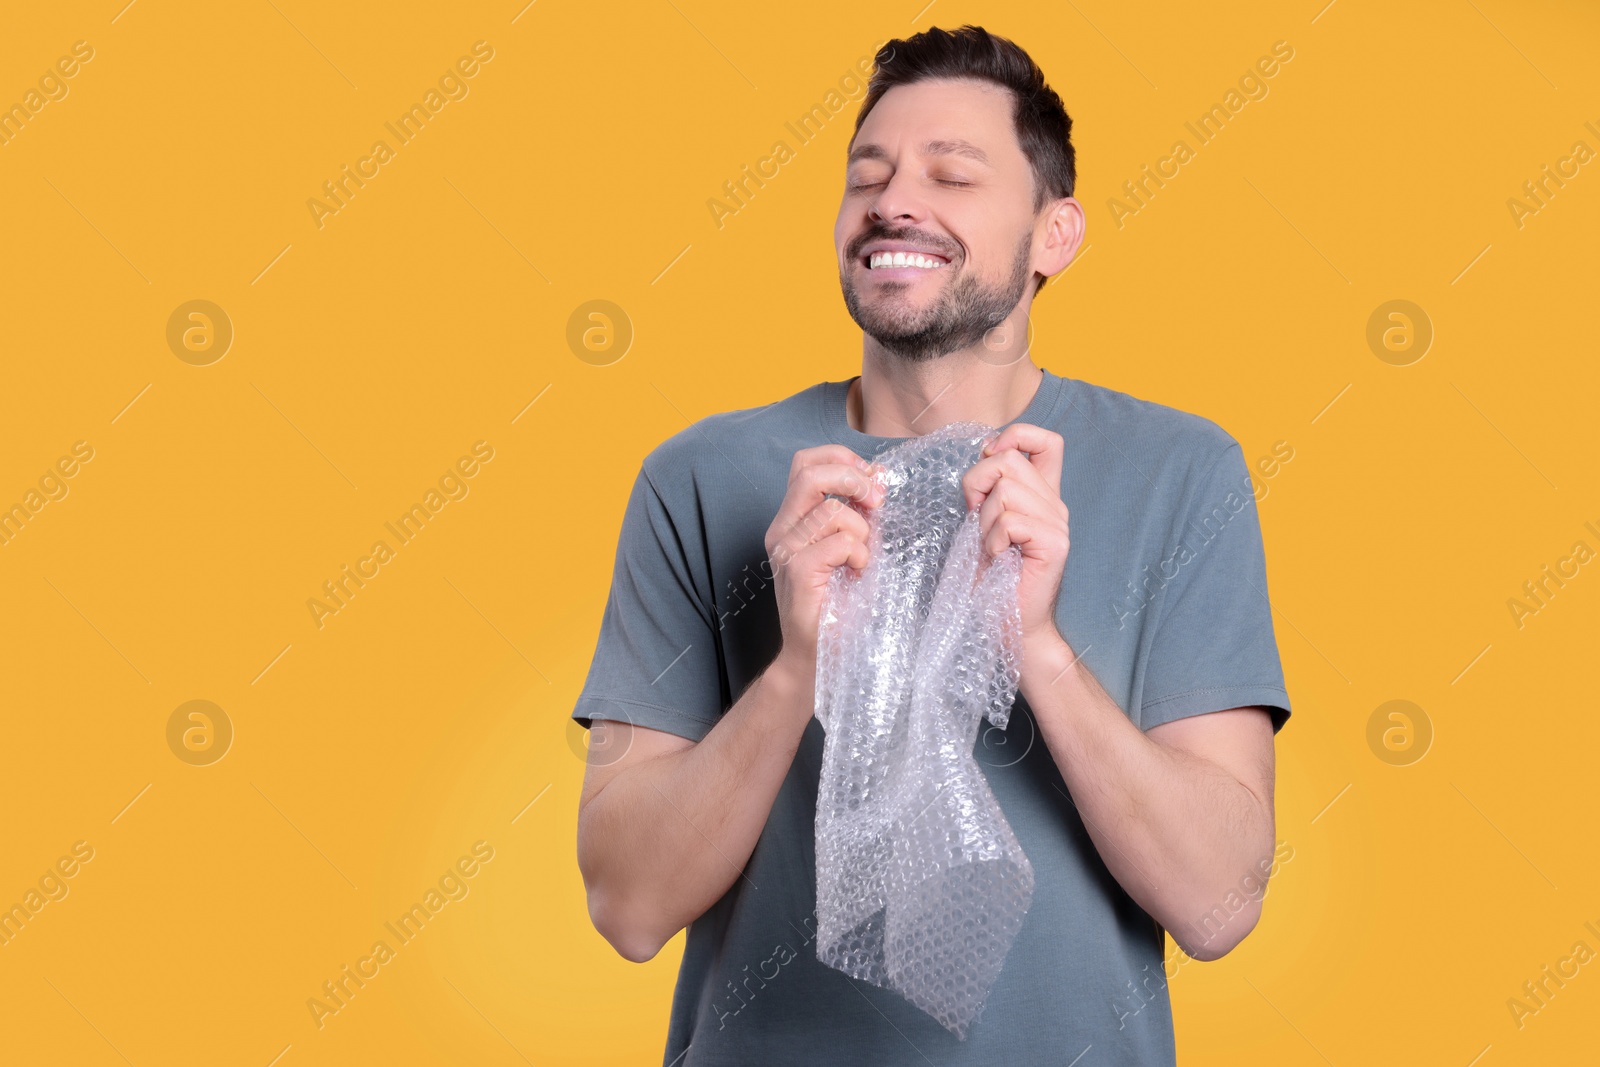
x: 921, y: 884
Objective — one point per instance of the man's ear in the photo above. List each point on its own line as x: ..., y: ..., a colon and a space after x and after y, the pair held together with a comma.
x: 1063, y: 232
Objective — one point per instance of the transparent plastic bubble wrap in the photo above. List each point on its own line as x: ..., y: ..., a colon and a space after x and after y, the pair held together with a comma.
x: 921, y: 885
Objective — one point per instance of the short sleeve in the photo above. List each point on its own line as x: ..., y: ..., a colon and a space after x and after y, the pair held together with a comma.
x: 1214, y: 646
x: 655, y: 662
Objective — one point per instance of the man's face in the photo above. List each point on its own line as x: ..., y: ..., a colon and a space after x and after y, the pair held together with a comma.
x: 936, y: 171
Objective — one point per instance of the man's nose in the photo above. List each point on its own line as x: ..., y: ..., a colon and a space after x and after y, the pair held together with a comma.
x: 897, y: 202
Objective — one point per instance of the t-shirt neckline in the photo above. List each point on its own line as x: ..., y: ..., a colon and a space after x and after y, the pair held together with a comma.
x: 836, y: 426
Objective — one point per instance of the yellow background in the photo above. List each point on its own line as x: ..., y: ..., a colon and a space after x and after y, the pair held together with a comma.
x: 430, y: 312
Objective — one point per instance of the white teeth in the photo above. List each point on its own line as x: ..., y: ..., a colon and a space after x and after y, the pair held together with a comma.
x: 903, y: 259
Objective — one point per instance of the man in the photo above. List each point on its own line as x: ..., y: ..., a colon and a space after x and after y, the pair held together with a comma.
x: 1137, y: 768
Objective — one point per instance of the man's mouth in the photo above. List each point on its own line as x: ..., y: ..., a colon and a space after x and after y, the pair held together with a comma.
x: 917, y: 260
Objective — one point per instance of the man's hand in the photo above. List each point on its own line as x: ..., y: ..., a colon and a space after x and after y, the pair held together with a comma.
x: 813, y: 533
x: 1019, y: 497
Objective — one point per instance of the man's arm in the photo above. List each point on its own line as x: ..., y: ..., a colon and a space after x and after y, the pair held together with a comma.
x: 665, y: 828
x: 1182, y: 815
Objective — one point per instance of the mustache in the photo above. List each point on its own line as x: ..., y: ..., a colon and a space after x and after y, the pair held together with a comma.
x: 921, y: 237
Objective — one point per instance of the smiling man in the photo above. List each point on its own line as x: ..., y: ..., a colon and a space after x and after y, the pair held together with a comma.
x: 1137, y: 769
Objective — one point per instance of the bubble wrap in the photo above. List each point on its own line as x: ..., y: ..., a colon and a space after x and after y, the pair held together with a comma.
x: 921, y: 885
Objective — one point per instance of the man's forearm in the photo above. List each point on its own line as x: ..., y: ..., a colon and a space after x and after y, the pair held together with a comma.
x: 663, y: 841
x: 1178, y: 833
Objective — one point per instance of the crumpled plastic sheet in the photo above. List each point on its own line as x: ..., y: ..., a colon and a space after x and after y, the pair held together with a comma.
x: 921, y: 884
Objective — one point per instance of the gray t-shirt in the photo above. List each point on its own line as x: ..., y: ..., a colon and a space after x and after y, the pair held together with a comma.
x: 1164, y: 597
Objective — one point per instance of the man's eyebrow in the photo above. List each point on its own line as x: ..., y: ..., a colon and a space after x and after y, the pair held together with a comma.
x: 930, y: 148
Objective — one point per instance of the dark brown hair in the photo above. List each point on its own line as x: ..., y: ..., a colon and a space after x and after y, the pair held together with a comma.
x: 1043, y: 127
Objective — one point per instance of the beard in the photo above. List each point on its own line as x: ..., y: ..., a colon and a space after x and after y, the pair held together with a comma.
x: 959, y: 317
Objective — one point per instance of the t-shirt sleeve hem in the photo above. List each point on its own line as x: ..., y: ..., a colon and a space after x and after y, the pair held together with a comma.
x: 653, y: 716
x: 1217, y: 698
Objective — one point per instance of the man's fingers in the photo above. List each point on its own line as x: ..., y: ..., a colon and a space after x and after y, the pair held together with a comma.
x: 981, y: 479
x: 833, y: 551
x: 812, y: 483
x: 821, y: 522
x: 1044, y: 448
x: 839, y: 454
x: 1012, y: 495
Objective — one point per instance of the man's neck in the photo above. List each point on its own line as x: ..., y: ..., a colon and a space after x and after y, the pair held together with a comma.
x: 897, y: 398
